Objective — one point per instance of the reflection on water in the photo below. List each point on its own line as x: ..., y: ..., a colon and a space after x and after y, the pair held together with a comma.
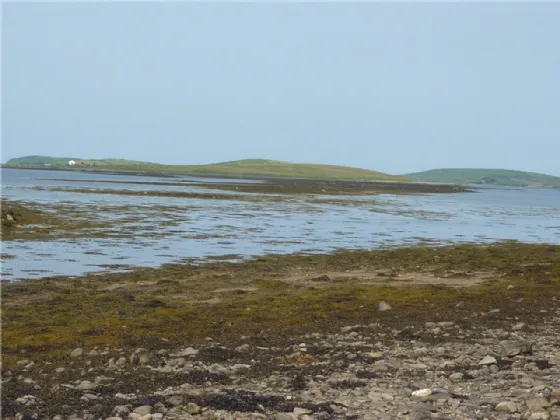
x: 200, y: 228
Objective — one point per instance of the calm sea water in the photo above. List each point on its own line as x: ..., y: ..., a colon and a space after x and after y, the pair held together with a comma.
x: 195, y: 229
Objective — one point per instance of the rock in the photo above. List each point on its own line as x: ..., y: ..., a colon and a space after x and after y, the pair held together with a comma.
x: 514, y: 348
x: 192, y: 408
x: 554, y: 396
x: 77, y: 352
x: 243, y: 348
x: 298, y: 411
x: 422, y: 392
x: 120, y: 411
x: 506, y: 407
x: 543, y: 415
x: 457, y: 376
x: 103, y: 380
x: 537, y: 404
x: 121, y: 362
x: 139, y: 357
x: 93, y: 353
x: 143, y: 410
x: 174, y: 400
x: 59, y: 370
x: 240, y: 367
x: 27, y: 400
x: 284, y: 416
x: 86, y: 386
x: 519, y: 326
x: 384, y: 306
x: 488, y: 360
x: 189, y: 351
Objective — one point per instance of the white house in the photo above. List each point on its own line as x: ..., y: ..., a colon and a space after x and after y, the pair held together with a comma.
x: 71, y: 162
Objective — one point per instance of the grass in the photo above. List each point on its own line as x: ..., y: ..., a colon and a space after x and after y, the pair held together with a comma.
x: 184, y: 304
x: 240, y: 168
x: 498, y: 177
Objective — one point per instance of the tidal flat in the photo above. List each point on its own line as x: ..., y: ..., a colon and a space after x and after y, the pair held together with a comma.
x: 276, y: 296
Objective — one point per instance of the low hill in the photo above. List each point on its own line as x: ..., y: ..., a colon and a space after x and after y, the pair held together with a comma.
x: 274, y: 168
x: 40, y: 160
x: 239, y: 168
x: 498, y: 177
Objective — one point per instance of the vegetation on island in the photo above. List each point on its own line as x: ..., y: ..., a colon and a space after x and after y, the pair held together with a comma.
x: 239, y: 168
x: 497, y: 177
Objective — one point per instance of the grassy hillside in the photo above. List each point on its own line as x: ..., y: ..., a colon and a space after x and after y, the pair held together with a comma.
x: 63, y: 161
x: 498, y: 177
x: 40, y: 160
x: 239, y: 168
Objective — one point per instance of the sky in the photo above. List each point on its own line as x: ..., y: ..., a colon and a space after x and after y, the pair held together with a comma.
x: 393, y: 87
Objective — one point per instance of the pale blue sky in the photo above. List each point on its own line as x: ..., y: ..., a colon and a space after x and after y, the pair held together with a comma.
x: 395, y: 87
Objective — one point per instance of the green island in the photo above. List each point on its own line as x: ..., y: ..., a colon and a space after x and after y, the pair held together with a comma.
x: 496, y: 177
x: 273, y: 169
x: 245, y: 168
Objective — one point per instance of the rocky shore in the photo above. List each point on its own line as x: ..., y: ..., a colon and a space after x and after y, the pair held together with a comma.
x: 439, y: 371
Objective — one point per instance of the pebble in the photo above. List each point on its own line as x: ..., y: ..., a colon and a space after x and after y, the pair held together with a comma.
x: 422, y: 392
x: 77, y: 352
x: 506, y: 407
x: 488, y: 360
x: 384, y: 306
x: 143, y: 410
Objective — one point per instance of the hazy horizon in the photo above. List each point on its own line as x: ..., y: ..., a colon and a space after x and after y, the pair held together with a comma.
x: 391, y: 87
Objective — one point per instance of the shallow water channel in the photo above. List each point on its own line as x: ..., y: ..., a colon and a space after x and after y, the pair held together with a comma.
x: 151, y: 230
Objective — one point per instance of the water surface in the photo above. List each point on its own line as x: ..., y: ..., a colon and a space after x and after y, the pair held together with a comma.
x: 195, y: 229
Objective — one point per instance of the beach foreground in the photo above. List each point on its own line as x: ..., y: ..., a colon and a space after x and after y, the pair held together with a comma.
x: 460, y: 332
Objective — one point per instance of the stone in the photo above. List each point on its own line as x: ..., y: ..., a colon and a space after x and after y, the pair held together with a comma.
x: 537, y: 404
x: 488, y: 360
x: 243, y: 348
x: 284, y: 416
x: 140, y: 357
x: 103, y: 380
x: 143, y: 410
x: 86, y: 385
x: 384, y: 306
x: 543, y: 415
x: 77, y: 352
x: 506, y: 407
x: 120, y: 411
x: 514, y: 348
x: 519, y: 326
x: 189, y: 351
x: 192, y: 408
x: 457, y: 376
x: 422, y: 392
x: 298, y: 411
